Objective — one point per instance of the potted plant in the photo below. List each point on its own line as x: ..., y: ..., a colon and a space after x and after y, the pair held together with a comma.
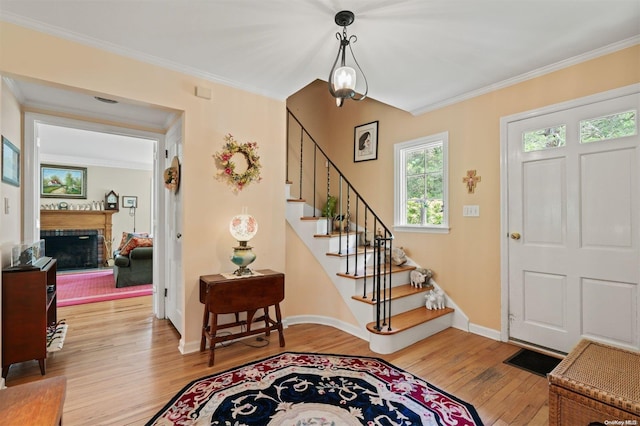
x: 329, y: 209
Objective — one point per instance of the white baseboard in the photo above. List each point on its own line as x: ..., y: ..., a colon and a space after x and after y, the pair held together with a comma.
x: 485, y: 332
x: 332, y: 322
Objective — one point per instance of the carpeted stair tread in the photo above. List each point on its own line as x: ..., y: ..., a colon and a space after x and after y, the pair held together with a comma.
x: 409, y: 319
x: 397, y: 293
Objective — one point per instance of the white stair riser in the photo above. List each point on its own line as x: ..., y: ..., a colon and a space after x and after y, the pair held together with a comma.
x: 402, y: 304
x: 386, y: 344
x: 347, y: 287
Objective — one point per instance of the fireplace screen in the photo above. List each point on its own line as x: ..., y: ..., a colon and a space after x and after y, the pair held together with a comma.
x: 73, y: 249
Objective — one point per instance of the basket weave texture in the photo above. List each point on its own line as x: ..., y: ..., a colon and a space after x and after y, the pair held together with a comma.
x: 594, y: 374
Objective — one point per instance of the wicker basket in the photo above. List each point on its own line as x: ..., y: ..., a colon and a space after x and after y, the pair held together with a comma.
x: 595, y: 383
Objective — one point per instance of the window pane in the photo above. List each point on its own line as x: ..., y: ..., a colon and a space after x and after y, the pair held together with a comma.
x: 435, y: 211
x: 434, y: 159
x: 609, y: 127
x: 415, y: 163
x: 551, y: 137
x: 414, y: 212
x: 434, y: 186
x: 415, y: 187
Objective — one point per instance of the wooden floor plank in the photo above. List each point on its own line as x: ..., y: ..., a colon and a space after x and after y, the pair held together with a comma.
x: 122, y: 365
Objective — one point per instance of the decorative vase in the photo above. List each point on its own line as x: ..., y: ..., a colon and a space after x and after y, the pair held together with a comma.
x: 242, y: 257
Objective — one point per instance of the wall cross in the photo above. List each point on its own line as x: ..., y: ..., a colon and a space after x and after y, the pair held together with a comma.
x: 471, y: 180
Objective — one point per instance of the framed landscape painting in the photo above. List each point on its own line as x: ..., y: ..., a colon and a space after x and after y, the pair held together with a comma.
x: 63, y: 181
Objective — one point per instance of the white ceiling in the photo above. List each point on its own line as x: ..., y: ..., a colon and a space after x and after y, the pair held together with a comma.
x: 81, y: 147
x: 417, y: 54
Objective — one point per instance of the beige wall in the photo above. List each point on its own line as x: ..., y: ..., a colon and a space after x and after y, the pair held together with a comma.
x: 10, y: 224
x: 208, y: 204
x: 467, y: 260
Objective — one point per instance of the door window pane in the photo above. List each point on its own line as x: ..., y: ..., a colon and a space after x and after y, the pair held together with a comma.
x: 609, y: 127
x: 551, y: 137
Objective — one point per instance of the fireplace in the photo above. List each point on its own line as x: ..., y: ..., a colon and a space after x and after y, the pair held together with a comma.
x: 79, y: 222
x: 74, y: 248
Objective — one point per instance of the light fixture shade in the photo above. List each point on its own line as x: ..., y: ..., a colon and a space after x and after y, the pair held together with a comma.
x: 344, y: 82
x: 243, y: 227
x: 342, y: 78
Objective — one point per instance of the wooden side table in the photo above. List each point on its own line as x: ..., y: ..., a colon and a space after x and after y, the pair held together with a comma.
x: 35, y: 403
x: 222, y: 295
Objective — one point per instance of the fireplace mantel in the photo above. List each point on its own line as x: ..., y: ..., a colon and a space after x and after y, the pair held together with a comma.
x: 78, y: 219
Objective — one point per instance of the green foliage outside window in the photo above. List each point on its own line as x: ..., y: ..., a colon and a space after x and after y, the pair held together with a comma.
x: 609, y: 127
x: 424, y: 186
x: 550, y: 137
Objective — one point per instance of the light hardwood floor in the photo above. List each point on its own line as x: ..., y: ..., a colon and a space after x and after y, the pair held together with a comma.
x: 123, y: 365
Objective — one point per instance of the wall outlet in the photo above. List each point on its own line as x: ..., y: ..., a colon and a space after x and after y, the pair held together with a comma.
x: 471, y: 211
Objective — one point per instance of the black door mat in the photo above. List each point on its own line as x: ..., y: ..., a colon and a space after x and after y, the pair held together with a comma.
x: 533, y: 362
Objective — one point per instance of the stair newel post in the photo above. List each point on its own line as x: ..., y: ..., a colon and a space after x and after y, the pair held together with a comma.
x: 387, y: 276
x: 301, y: 158
x: 376, y: 280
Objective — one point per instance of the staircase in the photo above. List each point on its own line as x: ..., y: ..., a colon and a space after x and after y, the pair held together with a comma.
x: 406, y: 320
x: 390, y: 313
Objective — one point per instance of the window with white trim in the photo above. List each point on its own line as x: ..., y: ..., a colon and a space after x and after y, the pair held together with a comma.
x: 421, y: 184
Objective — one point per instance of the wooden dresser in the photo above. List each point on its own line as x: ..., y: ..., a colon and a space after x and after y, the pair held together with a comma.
x: 28, y: 308
x: 595, y: 383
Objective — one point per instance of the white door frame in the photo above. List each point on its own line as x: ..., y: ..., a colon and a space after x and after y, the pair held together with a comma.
x: 31, y: 173
x: 504, y: 199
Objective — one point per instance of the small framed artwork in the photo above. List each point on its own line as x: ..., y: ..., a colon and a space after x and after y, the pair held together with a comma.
x: 10, y: 163
x: 129, y: 201
x: 63, y: 181
x: 365, y: 142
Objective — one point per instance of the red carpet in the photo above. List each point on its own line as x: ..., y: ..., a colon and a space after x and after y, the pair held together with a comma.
x: 98, y: 286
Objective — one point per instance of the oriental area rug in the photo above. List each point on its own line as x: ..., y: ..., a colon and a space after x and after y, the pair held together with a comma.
x: 96, y: 286
x: 314, y: 389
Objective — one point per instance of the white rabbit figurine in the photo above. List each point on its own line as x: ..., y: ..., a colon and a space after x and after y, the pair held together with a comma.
x: 435, y: 299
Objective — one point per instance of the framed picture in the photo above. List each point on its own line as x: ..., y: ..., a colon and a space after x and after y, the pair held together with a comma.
x: 365, y: 142
x: 63, y: 181
x: 10, y: 163
x: 129, y: 201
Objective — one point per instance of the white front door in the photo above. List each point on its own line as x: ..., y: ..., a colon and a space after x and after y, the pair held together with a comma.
x: 573, y: 224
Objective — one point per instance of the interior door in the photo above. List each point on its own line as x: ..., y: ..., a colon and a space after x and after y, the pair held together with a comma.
x: 573, y: 219
x: 173, y: 227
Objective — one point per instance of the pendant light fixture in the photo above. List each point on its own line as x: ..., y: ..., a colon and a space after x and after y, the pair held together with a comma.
x: 342, y: 78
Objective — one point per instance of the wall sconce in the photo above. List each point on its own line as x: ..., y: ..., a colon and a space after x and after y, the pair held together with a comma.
x: 342, y: 78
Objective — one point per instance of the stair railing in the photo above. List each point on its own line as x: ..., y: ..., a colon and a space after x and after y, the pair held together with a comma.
x: 377, y: 240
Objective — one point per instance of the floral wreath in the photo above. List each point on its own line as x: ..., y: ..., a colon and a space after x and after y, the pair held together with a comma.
x: 227, y: 167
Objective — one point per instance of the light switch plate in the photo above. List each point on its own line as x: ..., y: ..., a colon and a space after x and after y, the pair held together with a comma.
x: 471, y: 211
